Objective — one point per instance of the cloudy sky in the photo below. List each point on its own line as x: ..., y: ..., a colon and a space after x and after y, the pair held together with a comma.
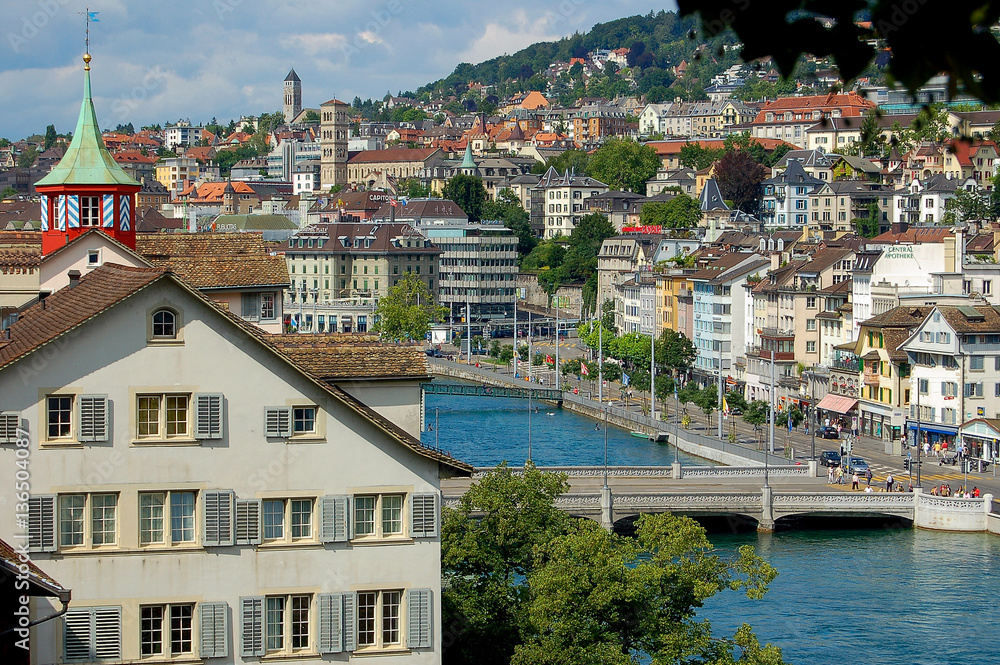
x: 161, y: 61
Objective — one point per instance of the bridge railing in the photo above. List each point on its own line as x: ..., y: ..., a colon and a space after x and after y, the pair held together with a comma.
x: 687, y: 472
x: 490, y: 391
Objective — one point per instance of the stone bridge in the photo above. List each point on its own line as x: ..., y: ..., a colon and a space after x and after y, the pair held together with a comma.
x: 738, y: 495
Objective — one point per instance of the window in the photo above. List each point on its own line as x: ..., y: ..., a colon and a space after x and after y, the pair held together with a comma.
x: 162, y: 416
x: 90, y: 211
x: 976, y: 363
x: 811, y: 302
x: 924, y: 385
x: 83, y: 525
x: 92, y: 634
x: 165, y: 630
x: 267, y: 306
x: 286, y: 623
x: 164, y: 324
x: 379, y: 515
x: 810, y: 324
x: 378, y: 618
x: 810, y: 347
x: 59, y: 416
x: 288, y: 520
x: 166, y: 518
x: 304, y: 420
x: 974, y: 389
x: 987, y: 287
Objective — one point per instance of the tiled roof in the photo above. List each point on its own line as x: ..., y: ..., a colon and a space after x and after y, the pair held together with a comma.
x: 898, y: 317
x: 12, y: 562
x: 960, y: 319
x: 917, y: 234
x: 214, y: 260
x: 338, y: 357
x: 392, y: 155
x: 68, y: 308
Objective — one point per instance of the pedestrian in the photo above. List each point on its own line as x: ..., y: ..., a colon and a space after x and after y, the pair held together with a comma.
x: 829, y: 475
x: 840, y: 475
x: 868, y: 476
x: 927, y: 448
x: 975, y: 492
x: 888, y: 482
x: 937, y: 450
x: 854, y: 481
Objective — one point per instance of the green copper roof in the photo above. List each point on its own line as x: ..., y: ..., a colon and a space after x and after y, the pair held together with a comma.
x: 87, y: 161
x: 467, y: 163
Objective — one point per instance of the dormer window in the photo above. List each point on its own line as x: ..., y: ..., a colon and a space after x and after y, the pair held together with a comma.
x: 164, y: 324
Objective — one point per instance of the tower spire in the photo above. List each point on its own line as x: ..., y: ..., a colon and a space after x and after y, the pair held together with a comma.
x: 89, y: 17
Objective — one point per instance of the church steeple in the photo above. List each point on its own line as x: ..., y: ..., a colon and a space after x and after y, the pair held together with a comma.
x: 87, y: 188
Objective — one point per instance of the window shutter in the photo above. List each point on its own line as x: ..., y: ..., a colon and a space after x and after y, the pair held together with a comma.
x: 42, y: 523
x: 218, y: 518
x: 207, y: 416
x: 78, y: 635
x: 93, y: 418
x: 252, y: 626
x: 9, y: 422
x: 418, y: 619
x: 349, y: 624
x: 248, y: 513
x: 423, y: 516
x: 278, y: 422
x: 251, y: 306
x: 331, y: 633
x: 213, y: 622
x: 334, y: 519
x: 108, y: 633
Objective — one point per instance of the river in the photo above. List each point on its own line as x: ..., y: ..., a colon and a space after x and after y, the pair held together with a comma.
x: 880, y: 596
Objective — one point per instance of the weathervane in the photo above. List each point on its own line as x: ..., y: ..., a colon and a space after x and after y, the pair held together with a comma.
x: 90, y: 17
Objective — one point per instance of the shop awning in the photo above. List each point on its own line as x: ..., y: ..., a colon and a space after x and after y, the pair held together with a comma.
x: 837, y: 403
x: 936, y: 429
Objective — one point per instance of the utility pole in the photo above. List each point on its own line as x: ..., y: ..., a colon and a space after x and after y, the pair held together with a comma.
x: 600, y: 365
x: 652, y: 373
x: 530, y: 357
x: 468, y: 322
x: 557, y: 342
x: 771, y: 433
x: 917, y: 435
x: 515, y: 333
x: 719, y: 400
x: 812, y: 412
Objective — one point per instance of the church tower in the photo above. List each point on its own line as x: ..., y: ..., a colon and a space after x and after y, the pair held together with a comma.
x: 87, y: 189
x: 293, y: 96
x: 229, y: 199
x: 335, y: 122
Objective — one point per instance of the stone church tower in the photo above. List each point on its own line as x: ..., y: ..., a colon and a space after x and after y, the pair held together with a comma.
x: 293, y: 96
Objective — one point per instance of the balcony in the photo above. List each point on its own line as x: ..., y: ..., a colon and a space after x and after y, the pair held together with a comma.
x: 846, y: 365
x: 777, y: 333
x: 870, y: 378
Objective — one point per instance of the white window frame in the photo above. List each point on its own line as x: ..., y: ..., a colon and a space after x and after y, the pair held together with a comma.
x: 379, y: 630
x: 87, y: 519
x: 90, y: 211
x: 161, y: 422
x: 71, y: 424
x: 165, y: 333
x: 167, y: 518
x: 287, y: 520
x: 166, y: 629
x: 379, y: 511
x: 286, y: 628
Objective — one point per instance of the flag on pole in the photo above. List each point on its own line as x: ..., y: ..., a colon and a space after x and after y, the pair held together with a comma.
x: 583, y: 369
x: 725, y: 407
x: 624, y: 379
x: 92, y: 17
x: 550, y: 360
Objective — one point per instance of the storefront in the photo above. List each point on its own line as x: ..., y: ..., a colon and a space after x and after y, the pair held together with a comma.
x: 981, y: 439
x: 932, y: 433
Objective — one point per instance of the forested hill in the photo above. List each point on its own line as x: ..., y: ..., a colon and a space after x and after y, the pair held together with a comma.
x: 657, y: 43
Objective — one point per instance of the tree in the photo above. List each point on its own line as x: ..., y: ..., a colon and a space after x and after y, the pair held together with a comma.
x: 50, y: 136
x: 530, y: 586
x: 27, y: 158
x: 8, y: 192
x: 961, y: 44
x: 311, y: 117
x: 469, y: 193
x: 4, y: 143
x: 693, y: 156
x: 868, y: 226
x: 575, y: 160
x: 675, y: 351
x: 507, y: 208
x: 739, y: 177
x: 624, y: 164
x: 680, y: 212
x: 968, y: 206
x: 407, y: 310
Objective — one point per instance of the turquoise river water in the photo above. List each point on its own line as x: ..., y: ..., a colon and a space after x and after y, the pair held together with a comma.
x: 876, y: 595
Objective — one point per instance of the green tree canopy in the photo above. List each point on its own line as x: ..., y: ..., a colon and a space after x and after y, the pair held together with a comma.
x: 50, y: 136
x: 405, y: 313
x: 469, y: 193
x: 28, y: 157
x: 624, y: 164
x: 694, y: 156
x: 8, y: 192
x: 531, y: 586
x: 680, y: 212
x: 507, y: 208
x: 577, y: 160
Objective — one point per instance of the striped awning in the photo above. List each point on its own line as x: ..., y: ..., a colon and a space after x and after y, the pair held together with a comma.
x: 837, y: 403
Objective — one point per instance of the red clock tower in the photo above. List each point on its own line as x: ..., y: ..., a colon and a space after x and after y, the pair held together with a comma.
x: 87, y: 189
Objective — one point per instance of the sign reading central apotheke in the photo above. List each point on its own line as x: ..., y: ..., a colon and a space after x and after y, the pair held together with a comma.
x: 899, y: 252
x: 642, y: 229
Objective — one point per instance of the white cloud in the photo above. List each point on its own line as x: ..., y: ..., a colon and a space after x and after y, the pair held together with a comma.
x: 498, y: 38
x: 314, y: 43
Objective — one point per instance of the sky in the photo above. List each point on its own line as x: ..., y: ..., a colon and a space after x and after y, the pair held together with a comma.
x: 156, y: 62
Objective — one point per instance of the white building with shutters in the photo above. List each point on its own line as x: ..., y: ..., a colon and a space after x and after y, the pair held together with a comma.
x: 206, y: 497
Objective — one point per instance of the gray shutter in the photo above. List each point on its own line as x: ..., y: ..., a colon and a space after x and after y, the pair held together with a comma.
x: 350, y: 621
x: 423, y: 515
x: 207, y: 416
x: 78, y: 635
x: 248, y: 527
x: 93, y: 417
x: 217, y: 525
x: 251, y: 306
x: 252, y: 626
x: 9, y: 422
x: 331, y: 632
x: 418, y: 619
x: 107, y: 633
x: 278, y: 422
x: 335, y: 519
x: 42, y: 523
x: 213, y: 622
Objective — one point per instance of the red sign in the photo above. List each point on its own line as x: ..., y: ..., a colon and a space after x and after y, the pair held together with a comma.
x: 642, y: 229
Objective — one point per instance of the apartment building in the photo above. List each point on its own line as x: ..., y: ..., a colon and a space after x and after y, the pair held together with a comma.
x: 369, y: 169
x: 835, y: 205
x: 226, y: 516
x: 623, y: 255
x: 789, y: 118
x: 181, y: 135
x: 924, y: 198
x: 786, y: 197
x: 562, y: 201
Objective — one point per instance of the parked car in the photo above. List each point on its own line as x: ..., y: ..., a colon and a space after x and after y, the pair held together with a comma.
x: 828, y: 432
x: 855, y: 465
x: 829, y: 458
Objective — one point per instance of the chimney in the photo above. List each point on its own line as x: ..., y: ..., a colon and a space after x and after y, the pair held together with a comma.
x: 74, y: 278
x: 775, y: 260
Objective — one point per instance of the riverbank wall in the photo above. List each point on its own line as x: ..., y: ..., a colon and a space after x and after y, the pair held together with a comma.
x: 699, y: 445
